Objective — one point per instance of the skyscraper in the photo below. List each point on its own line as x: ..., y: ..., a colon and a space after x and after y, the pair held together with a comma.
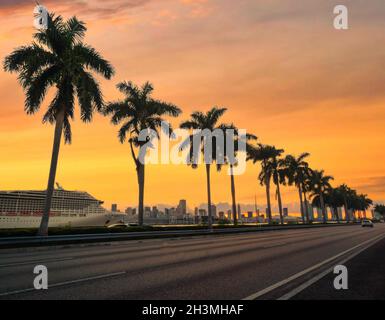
x: 214, y: 211
x: 182, y: 209
x: 155, y: 212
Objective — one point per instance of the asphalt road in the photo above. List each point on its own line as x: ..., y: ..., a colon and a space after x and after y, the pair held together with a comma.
x: 274, y: 265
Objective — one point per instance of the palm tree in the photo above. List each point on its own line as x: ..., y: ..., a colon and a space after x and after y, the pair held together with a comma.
x: 59, y: 58
x: 199, y: 122
x: 296, y: 171
x: 380, y: 209
x: 345, y: 191
x: 306, y: 188
x: 269, y: 170
x: 334, y: 199
x: 140, y: 114
x: 364, y: 203
x: 354, y: 203
x: 232, y: 162
x: 320, y: 183
x: 360, y: 203
x: 278, y: 178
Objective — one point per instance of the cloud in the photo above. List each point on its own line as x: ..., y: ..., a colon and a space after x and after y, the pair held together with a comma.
x: 373, y: 185
x: 93, y: 7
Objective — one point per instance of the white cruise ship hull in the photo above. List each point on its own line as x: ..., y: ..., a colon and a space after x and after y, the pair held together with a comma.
x: 23, y: 209
x: 20, y: 222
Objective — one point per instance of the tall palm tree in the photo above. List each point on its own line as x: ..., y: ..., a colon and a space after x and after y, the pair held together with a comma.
x: 268, y: 155
x: 320, y: 183
x: 296, y: 170
x: 334, y: 199
x: 249, y: 138
x: 306, y: 189
x: 380, y: 209
x: 59, y: 58
x: 364, y: 203
x: 360, y: 203
x: 354, y: 203
x: 345, y: 192
x: 198, y: 122
x: 139, y: 113
x: 278, y: 178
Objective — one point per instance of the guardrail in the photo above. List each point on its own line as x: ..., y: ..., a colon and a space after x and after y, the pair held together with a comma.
x: 16, y: 242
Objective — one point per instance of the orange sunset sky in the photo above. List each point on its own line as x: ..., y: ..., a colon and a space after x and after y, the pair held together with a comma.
x: 280, y: 67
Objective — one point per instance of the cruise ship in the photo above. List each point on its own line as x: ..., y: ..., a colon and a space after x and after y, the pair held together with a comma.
x: 24, y: 209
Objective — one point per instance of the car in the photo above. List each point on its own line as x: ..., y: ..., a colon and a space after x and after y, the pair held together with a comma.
x: 367, y: 223
x: 119, y: 225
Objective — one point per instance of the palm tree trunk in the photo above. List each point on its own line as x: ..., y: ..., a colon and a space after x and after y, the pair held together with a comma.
x: 347, y: 217
x: 301, y: 203
x: 269, y: 215
x: 210, y: 222
x: 323, y: 207
x: 306, y: 207
x: 280, y: 203
x: 234, y: 204
x: 141, y: 176
x: 43, y: 230
x: 336, y: 214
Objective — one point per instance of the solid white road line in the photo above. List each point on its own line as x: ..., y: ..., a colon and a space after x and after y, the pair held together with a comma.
x: 300, y: 274
x: 313, y: 280
x: 60, y: 284
x: 33, y: 262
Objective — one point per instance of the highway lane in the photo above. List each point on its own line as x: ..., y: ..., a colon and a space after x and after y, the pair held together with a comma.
x: 204, y: 267
x: 366, y: 279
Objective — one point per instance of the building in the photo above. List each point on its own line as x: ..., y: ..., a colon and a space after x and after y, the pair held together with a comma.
x: 172, y: 213
x: 114, y: 207
x: 147, y: 211
x: 202, y: 213
x: 181, y: 209
x: 155, y: 212
x: 213, y: 211
x: 130, y: 211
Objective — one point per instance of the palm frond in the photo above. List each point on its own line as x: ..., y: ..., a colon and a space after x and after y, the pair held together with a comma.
x: 92, y: 60
x: 189, y: 125
x: 37, y: 87
x: 75, y: 30
x: 89, y: 95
